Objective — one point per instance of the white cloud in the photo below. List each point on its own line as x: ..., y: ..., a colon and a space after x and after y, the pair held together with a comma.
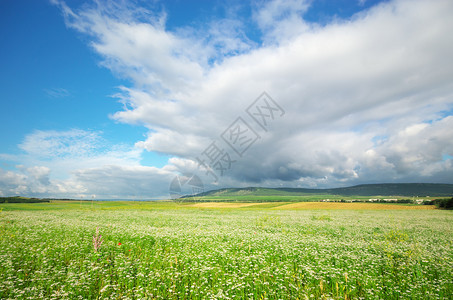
x: 12, y: 183
x: 53, y: 143
x: 281, y: 20
x: 39, y: 174
x: 367, y: 99
x: 126, y: 182
x: 78, y: 163
x: 419, y: 148
x: 65, y: 151
x: 57, y: 92
x: 343, y: 85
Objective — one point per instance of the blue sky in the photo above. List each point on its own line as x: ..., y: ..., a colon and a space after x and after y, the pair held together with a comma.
x: 116, y: 100
x: 51, y: 79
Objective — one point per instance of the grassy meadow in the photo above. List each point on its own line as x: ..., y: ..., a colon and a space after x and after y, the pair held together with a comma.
x: 168, y: 250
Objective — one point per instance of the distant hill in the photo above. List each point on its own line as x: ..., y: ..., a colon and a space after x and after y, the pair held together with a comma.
x: 392, y: 189
x: 18, y: 199
x: 384, y: 189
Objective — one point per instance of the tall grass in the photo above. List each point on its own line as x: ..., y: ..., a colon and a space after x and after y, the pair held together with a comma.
x: 200, y: 253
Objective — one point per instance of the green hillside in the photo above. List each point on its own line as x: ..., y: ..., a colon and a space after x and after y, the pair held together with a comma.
x: 398, y: 190
x: 387, y: 189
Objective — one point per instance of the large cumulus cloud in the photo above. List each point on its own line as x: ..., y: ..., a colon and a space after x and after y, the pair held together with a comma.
x: 367, y: 99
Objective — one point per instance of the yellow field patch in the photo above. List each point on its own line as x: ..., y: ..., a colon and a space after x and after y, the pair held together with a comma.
x: 340, y: 205
x: 223, y: 205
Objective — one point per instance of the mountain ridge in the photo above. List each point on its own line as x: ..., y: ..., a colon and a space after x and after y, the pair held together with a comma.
x: 378, y: 189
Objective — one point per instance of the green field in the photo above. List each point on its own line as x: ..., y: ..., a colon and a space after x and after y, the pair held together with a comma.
x: 166, y: 250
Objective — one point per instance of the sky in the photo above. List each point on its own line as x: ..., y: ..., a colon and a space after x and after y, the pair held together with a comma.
x: 133, y: 99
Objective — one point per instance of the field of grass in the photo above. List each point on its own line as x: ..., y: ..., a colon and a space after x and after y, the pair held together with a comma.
x: 166, y: 250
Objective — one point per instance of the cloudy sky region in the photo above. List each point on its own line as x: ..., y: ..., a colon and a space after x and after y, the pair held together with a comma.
x: 115, y: 100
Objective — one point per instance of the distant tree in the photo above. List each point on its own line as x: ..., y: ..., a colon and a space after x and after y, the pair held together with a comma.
x: 404, y: 201
x: 449, y: 204
x: 444, y: 203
